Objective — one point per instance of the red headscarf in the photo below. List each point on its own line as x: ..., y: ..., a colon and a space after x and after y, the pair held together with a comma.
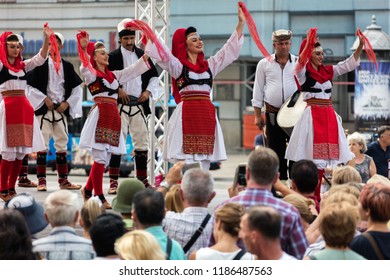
x: 179, y: 50
x: 90, y: 63
x: 54, y: 52
x: 324, y: 73
x: 18, y: 64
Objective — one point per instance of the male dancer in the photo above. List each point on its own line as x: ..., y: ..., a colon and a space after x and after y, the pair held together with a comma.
x: 274, y: 84
x: 133, y: 105
x: 55, y: 96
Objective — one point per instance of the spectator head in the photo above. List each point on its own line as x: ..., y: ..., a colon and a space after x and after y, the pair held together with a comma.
x: 377, y: 178
x: 262, y: 167
x: 91, y: 209
x: 338, y: 223
x: 30, y: 209
x: 384, y: 134
x: 227, y: 219
x: 104, y: 232
x: 123, y: 201
x: 173, y: 201
x: 345, y: 174
x: 350, y: 188
x: 304, y: 176
x: 148, y: 208
x: 358, y: 139
x: 197, y: 187
x: 62, y: 208
x: 15, y: 238
x: 375, y: 202
x: 261, y: 224
x: 304, y: 205
x: 139, y: 245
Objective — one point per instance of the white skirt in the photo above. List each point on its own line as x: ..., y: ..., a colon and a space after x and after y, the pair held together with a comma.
x: 173, y: 143
x: 301, y: 142
x: 87, y: 137
x: 38, y: 143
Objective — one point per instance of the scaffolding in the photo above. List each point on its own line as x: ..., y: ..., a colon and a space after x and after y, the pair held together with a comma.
x: 156, y: 14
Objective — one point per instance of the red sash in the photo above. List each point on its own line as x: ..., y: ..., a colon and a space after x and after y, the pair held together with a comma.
x: 198, y: 120
x: 325, y: 130
x: 109, y: 124
x: 19, y: 118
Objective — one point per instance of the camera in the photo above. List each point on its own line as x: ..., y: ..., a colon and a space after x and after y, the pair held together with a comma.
x: 240, y: 175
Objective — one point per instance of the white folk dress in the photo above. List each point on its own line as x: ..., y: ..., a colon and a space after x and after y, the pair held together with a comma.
x: 87, y: 137
x: 38, y: 143
x: 301, y: 141
x: 174, y: 131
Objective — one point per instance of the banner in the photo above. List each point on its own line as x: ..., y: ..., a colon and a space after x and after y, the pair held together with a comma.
x: 372, y: 95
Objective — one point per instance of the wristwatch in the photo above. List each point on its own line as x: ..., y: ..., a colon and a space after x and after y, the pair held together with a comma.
x: 165, y: 184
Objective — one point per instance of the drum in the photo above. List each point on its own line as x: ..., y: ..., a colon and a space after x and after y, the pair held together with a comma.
x: 290, y: 112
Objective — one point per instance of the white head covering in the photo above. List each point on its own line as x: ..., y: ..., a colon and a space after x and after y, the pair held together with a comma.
x: 60, y: 36
x: 20, y: 38
x: 122, y: 31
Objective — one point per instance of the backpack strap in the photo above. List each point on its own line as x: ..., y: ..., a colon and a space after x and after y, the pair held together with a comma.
x: 374, y: 245
x: 169, y: 248
x: 239, y: 255
x: 197, y: 233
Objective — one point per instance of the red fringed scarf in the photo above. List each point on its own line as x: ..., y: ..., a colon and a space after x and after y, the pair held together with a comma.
x: 253, y: 31
x: 368, y: 48
x: 306, y: 49
x: 179, y: 50
x: 87, y: 60
x: 18, y: 64
x: 148, y: 34
x: 54, y: 52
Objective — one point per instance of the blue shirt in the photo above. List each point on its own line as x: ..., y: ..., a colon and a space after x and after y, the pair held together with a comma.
x: 177, y: 252
x: 380, y: 157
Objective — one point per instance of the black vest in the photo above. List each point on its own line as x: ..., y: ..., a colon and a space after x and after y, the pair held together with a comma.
x: 98, y: 86
x: 39, y: 78
x: 5, y: 75
x: 184, y: 79
x: 116, y: 63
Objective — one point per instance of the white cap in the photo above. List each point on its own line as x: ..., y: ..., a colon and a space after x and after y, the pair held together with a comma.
x: 20, y: 38
x: 121, y: 25
x: 60, y: 36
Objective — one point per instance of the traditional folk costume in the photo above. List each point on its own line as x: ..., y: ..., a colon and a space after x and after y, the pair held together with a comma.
x: 60, y: 86
x: 102, y: 130
x: 19, y: 130
x: 318, y: 134
x: 134, y: 113
x: 193, y: 132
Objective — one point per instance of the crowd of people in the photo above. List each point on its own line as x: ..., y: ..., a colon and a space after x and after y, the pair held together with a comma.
x: 281, y: 214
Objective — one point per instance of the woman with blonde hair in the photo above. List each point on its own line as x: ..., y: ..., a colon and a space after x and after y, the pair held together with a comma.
x: 345, y: 174
x: 338, y: 223
x: 364, y: 164
x: 173, y: 202
x: 91, y: 209
x: 226, y: 229
x: 139, y: 245
x: 305, y: 206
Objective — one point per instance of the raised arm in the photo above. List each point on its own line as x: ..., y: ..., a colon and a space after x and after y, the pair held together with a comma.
x: 359, y: 49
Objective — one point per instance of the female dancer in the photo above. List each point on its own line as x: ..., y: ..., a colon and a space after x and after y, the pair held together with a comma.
x: 318, y: 134
x: 102, y: 129
x: 19, y: 130
x: 193, y: 132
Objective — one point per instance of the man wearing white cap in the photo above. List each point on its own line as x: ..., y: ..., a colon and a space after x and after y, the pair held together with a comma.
x: 133, y: 104
x: 55, y: 94
x: 274, y: 84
